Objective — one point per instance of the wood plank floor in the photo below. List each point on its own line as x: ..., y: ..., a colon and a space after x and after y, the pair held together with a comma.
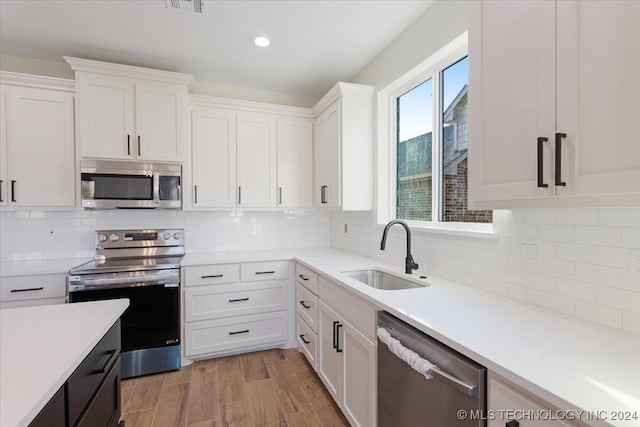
x: 268, y: 388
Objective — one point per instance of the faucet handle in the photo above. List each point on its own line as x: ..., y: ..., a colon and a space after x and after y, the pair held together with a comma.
x: 410, y: 264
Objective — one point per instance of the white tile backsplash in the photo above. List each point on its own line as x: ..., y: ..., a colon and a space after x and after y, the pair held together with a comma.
x: 583, y: 268
x: 53, y: 235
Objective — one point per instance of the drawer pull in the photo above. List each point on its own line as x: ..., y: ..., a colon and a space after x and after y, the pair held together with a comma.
x: 239, y: 299
x: 265, y: 272
x: 512, y: 423
x: 212, y: 276
x: 27, y: 289
x: 239, y: 332
x: 303, y: 340
x: 303, y: 277
x: 102, y: 370
x: 304, y: 305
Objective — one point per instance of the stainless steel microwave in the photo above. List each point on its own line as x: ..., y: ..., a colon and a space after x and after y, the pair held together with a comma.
x: 130, y: 185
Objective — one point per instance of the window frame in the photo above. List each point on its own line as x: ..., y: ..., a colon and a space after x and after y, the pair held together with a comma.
x: 431, y: 68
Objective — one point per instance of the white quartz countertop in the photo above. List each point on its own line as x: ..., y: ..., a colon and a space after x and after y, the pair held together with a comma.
x: 40, y: 347
x: 37, y: 267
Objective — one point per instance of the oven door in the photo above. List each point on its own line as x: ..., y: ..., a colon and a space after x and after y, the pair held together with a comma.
x: 152, y: 319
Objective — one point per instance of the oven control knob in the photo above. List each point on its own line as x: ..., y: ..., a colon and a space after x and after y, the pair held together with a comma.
x: 166, y: 236
x: 114, y: 237
x: 177, y: 235
x: 102, y: 238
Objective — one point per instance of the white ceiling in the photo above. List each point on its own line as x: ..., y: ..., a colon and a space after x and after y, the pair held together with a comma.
x: 313, y: 43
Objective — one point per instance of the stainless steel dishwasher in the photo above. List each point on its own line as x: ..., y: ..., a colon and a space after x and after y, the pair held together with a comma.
x: 455, y: 395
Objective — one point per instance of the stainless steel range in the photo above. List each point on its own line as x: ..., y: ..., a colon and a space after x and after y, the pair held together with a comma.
x: 144, y: 266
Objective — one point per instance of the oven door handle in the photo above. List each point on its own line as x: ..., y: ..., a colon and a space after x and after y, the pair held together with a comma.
x: 89, y: 287
x: 77, y: 283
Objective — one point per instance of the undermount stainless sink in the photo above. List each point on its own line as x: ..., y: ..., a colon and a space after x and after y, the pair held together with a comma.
x: 379, y: 279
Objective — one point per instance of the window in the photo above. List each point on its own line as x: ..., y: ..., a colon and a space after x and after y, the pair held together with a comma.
x: 429, y: 116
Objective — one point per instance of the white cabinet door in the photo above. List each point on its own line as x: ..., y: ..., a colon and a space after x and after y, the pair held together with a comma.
x: 512, y: 102
x: 327, y: 157
x: 598, y: 92
x: 330, y: 368
x: 40, y: 144
x: 105, y: 115
x: 4, y: 193
x: 160, y: 117
x: 295, y: 188
x: 214, y: 158
x: 256, y: 160
x: 359, y: 378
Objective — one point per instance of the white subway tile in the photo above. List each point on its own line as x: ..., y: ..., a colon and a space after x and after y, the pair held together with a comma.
x: 494, y: 286
x: 619, y: 298
x: 558, y: 268
x: 613, y: 257
x: 629, y: 282
x: 548, y: 250
x: 578, y: 216
x: 523, y: 293
x: 538, y: 281
x: 602, y: 236
x: 631, y: 322
x: 556, y: 233
x: 539, y: 216
x: 620, y: 217
x: 631, y: 238
x: 579, y: 253
x: 575, y: 289
x: 599, y: 314
x: 482, y: 269
x: 529, y: 231
x: 557, y: 303
x: 507, y: 274
x: 600, y: 275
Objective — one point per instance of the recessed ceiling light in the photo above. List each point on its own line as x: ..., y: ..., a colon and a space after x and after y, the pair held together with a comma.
x: 261, y: 41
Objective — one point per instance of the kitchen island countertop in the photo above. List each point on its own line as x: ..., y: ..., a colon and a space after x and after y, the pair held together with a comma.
x: 40, y: 347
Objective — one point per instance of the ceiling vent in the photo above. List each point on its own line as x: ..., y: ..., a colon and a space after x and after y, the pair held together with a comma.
x: 191, y: 6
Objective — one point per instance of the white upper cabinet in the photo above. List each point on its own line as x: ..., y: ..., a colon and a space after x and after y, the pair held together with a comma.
x: 37, y: 149
x: 343, y: 148
x: 551, y: 114
x: 213, y: 158
x: 256, y: 160
x: 129, y: 112
x: 295, y: 153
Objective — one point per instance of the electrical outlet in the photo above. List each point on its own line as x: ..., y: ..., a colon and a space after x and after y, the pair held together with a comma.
x: 530, y: 252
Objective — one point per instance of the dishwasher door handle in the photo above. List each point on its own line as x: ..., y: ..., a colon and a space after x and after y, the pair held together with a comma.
x: 453, y: 382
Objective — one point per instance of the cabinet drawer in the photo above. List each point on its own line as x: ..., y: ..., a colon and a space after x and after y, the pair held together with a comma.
x: 307, y: 277
x: 211, y: 274
x: 18, y: 288
x: 307, y: 306
x: 503, y: 401
x: 270, y: 270
x: 212, y: 302
x: 53, y: 414
x: 104, y: 410
x: 84, y: 382
x: 352, y: 309
x: 235, y: 333
x: 307, y: 341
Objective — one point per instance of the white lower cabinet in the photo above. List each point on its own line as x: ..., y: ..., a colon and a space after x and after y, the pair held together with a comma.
x: 26, y: 291
x: 507, y: 404
x: 347, y: 354
x: 234, y: 307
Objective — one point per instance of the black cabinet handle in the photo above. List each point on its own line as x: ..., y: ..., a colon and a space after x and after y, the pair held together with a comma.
x: 265, y: 272
x: 338, y: 349
x: 323, y: 194
x: 102, y: 370
x: 13, y: 190
x: 559, y: 137
x: 303, y: 277
x: 512, y: 423
x: 139, y: 153
x: 27, y: 289
x: 195, y: 194
x: 212, y: 276
x: 239, y: 299
x: 279, y: 195
x: 128, y: 145
x: 304, y: 305
x: 246, y: 331
x: 303, y: 340
x: 1, y: 182
x: 541, y: 141
x: 239, y: 195
x: 335, y: 335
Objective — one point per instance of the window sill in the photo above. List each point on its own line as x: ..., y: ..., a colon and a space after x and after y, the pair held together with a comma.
x: 480, y: 231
